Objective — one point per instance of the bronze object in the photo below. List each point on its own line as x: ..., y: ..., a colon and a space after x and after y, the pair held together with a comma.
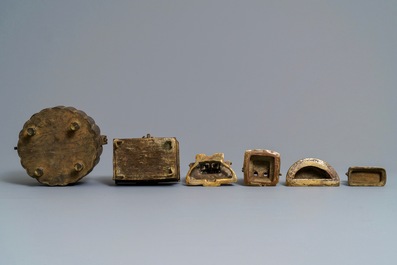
x: 366, y: 176
x: 312, y: 172
x: 144, y: 160
x: 210, y: 171
x: 59, y: 146
x: 261, y: 167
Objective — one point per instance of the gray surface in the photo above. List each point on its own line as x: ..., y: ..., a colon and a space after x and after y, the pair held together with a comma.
x: 304, y: 78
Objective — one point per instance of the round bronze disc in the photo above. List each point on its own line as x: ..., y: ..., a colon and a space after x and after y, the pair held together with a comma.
x: 59, y: 146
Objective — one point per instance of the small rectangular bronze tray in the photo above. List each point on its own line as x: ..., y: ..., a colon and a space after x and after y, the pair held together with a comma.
x: 145, y: 160
x: 366, y: 176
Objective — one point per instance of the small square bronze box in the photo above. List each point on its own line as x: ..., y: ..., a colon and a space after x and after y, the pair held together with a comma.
x: 261, y: 167
x: 145, y: 160
x: 366, y: 176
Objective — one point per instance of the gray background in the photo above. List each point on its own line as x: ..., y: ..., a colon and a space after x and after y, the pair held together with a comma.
x: 304, y: 78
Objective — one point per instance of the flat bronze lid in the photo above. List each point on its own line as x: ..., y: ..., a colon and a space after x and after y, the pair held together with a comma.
x: 312, y: 172
x: 59, y: 146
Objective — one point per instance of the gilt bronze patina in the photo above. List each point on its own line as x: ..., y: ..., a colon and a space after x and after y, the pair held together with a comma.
x: 145, y: 160
x: 59, y: 146
x: 366, y: 176
x: 210, y: 171
x: 312, y: 172
x: 261, y: 167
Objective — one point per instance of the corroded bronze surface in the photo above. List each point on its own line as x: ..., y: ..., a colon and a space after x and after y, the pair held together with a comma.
x: 59, y: 146
x: 210, y: 171
x: 261, y: 167
x: 366, y: 176
x: 147, y: 159
x: 312, y: 172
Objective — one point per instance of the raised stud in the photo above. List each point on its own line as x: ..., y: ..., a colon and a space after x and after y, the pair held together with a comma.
x: 31, y: 131
x: 104, y: 140
x: 74, y: 126
x: 78, y: 167
x: 38, y: 172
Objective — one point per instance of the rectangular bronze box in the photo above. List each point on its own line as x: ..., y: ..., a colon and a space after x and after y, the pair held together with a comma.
x: 261, y: 167
x: 145, y: 160
x: 366, y: 176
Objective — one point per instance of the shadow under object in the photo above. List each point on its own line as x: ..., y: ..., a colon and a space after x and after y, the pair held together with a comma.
x: 59, y: 146
x: 366, y: 176
x: 146, y: 160
x: 210, y: 171
x: 312, y: 172
x: 261, y: 167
